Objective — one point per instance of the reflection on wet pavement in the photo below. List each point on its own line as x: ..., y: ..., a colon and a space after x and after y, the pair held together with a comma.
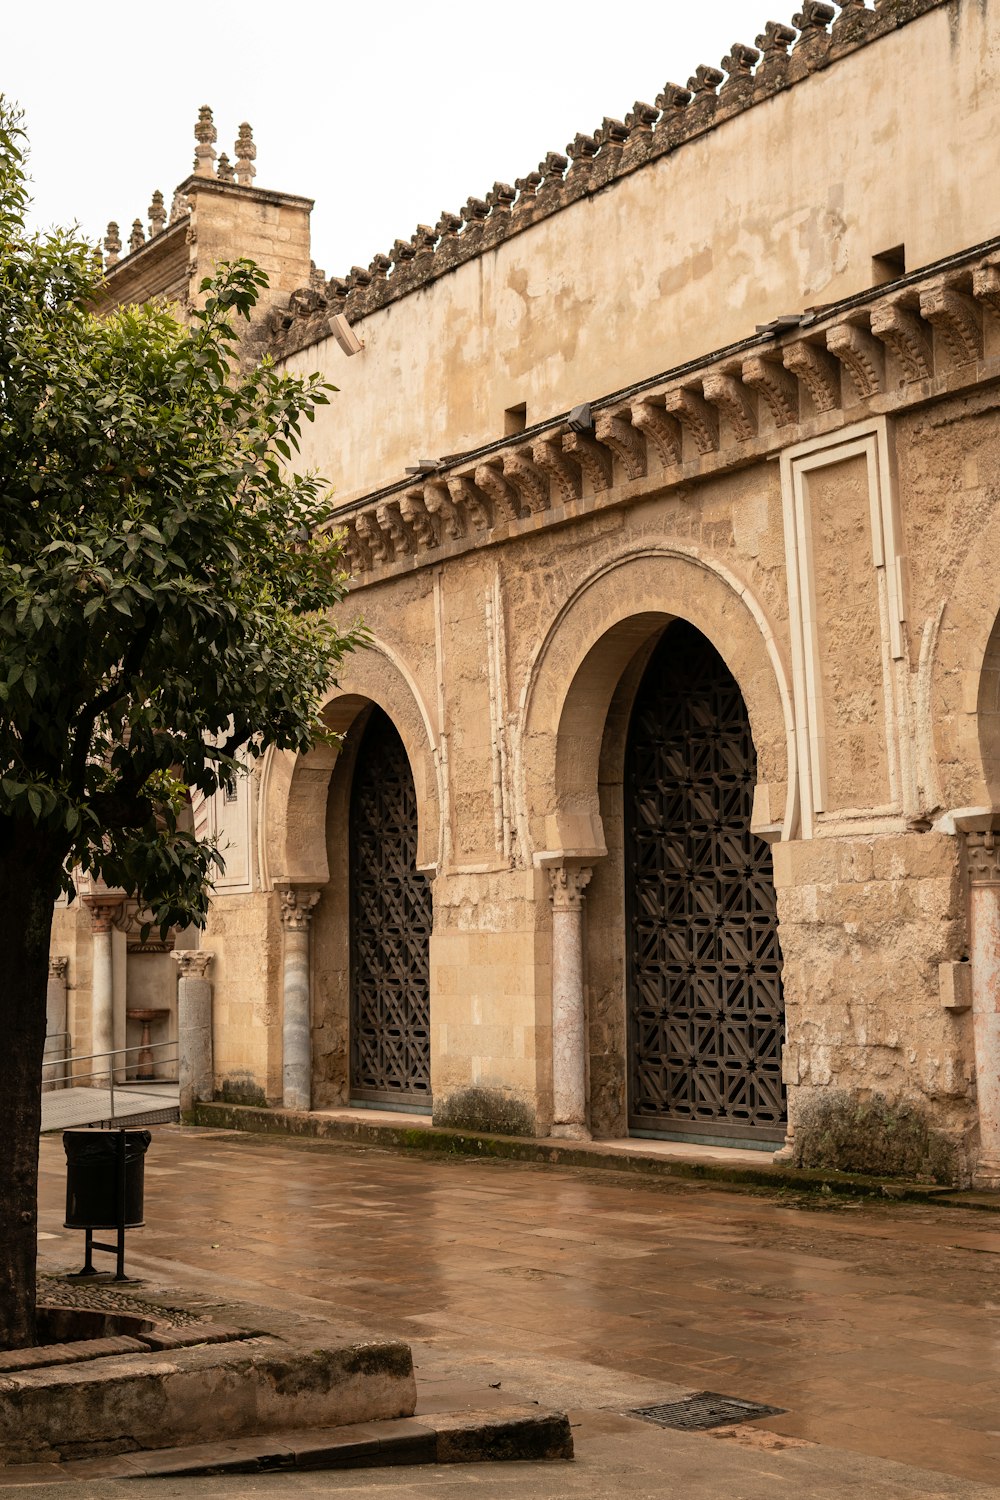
x: 876, y: 1327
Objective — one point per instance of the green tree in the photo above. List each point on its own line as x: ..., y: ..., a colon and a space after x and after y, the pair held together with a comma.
x: 165, y: 593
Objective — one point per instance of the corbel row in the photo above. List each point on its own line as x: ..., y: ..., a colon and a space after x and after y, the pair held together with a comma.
x: 783, y: 56
x: 692, y: 425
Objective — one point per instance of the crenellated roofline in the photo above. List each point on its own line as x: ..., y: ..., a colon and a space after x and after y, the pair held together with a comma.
x: 783, y: 57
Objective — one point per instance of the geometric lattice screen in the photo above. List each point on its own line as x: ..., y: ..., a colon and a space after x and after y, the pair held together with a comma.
x: 705, y: 1010
x: 390, y: 926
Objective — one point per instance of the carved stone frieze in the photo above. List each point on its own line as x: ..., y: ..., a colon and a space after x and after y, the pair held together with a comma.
x: 696, y: 416
x: 861, y: 355
x: 593, y: 458
x: 777, y: 385
x: 548, y: 454
x: 956, y: 316
x: 615, y: 431
x: 730, y: 396
x: 905, y: 332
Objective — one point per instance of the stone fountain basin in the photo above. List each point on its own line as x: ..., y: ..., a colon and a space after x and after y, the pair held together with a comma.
x: 114, y: 1383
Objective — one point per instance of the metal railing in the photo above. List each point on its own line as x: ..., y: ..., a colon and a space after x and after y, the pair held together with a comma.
x: 106, y: 1075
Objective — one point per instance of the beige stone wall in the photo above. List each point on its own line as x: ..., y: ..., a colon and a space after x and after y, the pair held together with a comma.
x: 779, y: 208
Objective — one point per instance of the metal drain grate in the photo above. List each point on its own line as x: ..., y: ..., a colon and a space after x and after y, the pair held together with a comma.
x: 706, y: 1409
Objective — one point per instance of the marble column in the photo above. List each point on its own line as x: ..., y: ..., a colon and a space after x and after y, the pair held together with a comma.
x: 297, y: 904
x: 56, y: 1021
x: 569, y: 1005
x: 195, y: 1068
x: 983, y: 858
x: 102, y: 1016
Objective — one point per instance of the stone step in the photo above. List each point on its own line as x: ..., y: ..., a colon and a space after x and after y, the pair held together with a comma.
x: 501, y: 1434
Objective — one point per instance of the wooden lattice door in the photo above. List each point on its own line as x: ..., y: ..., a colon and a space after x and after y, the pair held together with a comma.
x: 390, y: 926
x: 705, y: 1009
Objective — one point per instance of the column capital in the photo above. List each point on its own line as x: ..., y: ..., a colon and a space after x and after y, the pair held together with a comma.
x: 103, y: 911
x: 297, y: 904
x: 567, y: 884
x: 192, y: 963
x: 982, y: 853
x: 58, y: 968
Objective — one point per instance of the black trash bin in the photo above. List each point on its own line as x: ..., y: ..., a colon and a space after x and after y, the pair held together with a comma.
x: 93, y: 1183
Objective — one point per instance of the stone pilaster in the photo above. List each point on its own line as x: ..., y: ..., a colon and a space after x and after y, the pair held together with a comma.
x: 195, y: 1070
x: 297, y: 905
x: 569, y: 1006
x: 982, y: 851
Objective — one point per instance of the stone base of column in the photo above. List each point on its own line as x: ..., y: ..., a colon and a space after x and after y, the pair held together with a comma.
x: 571, y: 1132
x: 987, y: 1177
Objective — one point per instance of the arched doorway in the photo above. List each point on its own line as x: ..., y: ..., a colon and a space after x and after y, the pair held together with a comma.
x: 390, y: 926
x: 705, y: 1009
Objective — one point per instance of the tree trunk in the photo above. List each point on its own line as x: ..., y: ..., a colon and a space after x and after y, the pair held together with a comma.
x: 29, y: 874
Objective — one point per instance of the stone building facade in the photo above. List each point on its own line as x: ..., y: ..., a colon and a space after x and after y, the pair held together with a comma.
x: 670, y: 484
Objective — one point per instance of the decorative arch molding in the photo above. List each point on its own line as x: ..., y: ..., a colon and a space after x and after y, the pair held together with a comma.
x: 965, y: 680
x: 578, y: 666
x: 294, y: 788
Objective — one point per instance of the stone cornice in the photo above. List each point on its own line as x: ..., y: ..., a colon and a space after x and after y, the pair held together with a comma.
x: 929, y: 335
x: 784, y: 57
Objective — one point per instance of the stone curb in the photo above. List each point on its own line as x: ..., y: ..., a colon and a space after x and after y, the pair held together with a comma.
x: 505, y: 1433
x: 594, y: 1155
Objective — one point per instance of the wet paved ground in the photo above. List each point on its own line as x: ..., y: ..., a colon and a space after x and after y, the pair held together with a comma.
x: 876, y: 1327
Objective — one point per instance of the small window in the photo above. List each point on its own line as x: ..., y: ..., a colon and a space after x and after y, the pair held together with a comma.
x: 232, y: 794
x: 889, y: 266
x: 515, y: 420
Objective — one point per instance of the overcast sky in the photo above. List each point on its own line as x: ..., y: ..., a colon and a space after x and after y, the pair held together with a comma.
x: 385, y: 114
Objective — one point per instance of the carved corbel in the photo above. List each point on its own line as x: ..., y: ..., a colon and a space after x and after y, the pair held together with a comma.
x: 466, y: 495
x: 529, y: 482
x: 614, y: 429
x: 391, y: 525
x: 730, y: 396
x: 777, y: 385
x: 548, y: 454
x: 696, y: 416
x: 502, y: 495
x: 416, y: 515
x: 356, y: 550
x: 904, y: 331
x: 374, y: 538
x: 594, y: 460
x: 986, y: 284
x: 860, y: 354
x: 957, y: 318
x: 818, y: 371
x: 438, y: 502
x: 659, y: 429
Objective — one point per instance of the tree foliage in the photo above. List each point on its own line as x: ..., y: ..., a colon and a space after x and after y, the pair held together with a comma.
x: 168, y: 587
x: 165, y: 579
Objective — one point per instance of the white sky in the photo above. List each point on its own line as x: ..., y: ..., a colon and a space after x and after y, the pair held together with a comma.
x: 385, y: 114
